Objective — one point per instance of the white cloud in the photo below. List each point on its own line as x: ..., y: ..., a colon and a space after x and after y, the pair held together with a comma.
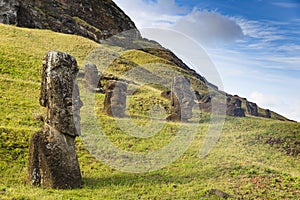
x: 264, y: 32
x: 209, y: 27
x: 263, y: 100
x: 151, y: 13
x: 286, y: 4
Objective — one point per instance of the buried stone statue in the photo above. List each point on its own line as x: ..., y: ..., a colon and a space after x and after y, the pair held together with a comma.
x: 53, y: 161
x: 182, y: 100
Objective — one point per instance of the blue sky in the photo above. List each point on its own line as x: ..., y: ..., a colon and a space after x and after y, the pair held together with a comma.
x: 254, y: 44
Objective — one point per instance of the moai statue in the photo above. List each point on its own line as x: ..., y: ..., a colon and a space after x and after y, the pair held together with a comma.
x: 182, y: 100
x: 53, y: 161
x: 268, y: 113
x: 234, y: 107
x: 92, y: 78
x: 115, y: 98
x: 252, y: 108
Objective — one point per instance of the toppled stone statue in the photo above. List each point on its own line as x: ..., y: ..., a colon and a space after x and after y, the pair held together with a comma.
x: 234, y: 107
x: 182, y: 100
x: 115, y: 98
x: 252, y: 108
x: 268, y: 113
x: 53, y: 161
x: 92, y: 78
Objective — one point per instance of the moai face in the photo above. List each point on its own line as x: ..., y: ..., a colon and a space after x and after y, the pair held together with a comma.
x: 60, y: 93
x: 182, y: 100
x: 115, y: 99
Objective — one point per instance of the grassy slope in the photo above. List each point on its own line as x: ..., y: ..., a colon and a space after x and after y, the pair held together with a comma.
x: 254, y: 159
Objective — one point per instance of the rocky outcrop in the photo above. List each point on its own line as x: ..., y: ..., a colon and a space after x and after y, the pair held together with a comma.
x: 115, y: 99
x: 92, y: 79
x: 182, y: 100
x: 94, y: 19
x: 53, y: 161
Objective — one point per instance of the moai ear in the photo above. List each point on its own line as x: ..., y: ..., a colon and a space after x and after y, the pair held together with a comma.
x: 44, y: 93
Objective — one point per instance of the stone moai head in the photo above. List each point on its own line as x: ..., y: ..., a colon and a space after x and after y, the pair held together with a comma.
x: 92, y: 78
x: 182, y: 99
x: 60, y: 93
x: 268, y: 113
x: 115, y: 98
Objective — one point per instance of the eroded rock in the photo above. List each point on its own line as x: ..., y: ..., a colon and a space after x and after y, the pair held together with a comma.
x: 115, y: 98
x: 53, y: 161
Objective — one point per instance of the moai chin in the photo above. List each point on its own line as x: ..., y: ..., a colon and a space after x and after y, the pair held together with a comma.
x: 115, y: 99
x: 182, y: 100
x: 53, y: 161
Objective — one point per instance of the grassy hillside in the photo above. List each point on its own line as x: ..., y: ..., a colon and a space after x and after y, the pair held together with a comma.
x: 255, y: 158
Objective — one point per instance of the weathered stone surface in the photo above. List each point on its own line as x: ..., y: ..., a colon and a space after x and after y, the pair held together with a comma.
x: 96, y: 20
x: 60, y: 94
x: 53, y: 161
x: 268, y: 113
x: 92, y: 78
x: 115, y: 98
x: 252, y: 108
x: 9, y: 11
x: 234, y: 107
x: 182, y: 100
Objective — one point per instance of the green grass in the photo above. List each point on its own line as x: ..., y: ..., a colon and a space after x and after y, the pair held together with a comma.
x: 255, y: 158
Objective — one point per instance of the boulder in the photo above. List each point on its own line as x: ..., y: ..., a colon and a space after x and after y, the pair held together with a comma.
x: 115, y: 98
x: 182, y: 100
x: 53, y: 161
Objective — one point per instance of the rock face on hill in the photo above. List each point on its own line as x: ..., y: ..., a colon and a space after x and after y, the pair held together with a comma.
x: 94, y: 19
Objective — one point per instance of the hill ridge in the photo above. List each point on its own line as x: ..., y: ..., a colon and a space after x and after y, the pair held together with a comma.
x: 96, y: 20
